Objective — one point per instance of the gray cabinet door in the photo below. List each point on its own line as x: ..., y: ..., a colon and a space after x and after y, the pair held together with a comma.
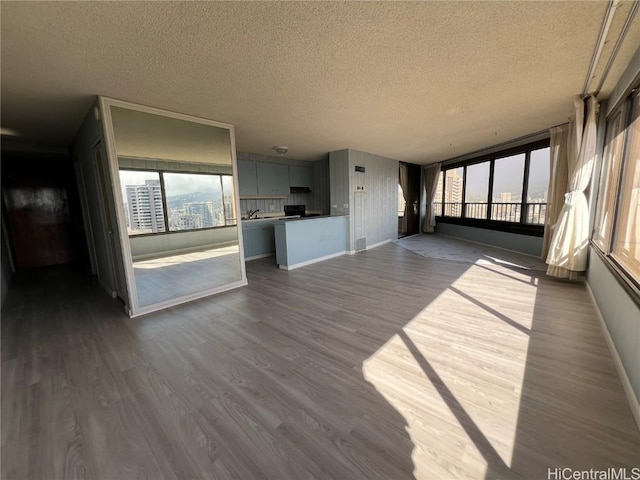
x: 273, y: 178
x: 300, y: 176
x: 247, y: 177
x: 258, y: 239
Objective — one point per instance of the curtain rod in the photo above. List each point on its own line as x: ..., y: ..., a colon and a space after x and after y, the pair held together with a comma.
x: 616, y: 48
x: 602, y: 38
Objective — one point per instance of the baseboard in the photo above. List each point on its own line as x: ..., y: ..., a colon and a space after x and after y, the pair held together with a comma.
x: 488, y: 245
x: 309, y: 262
x: 256, y: 257
x: 634, y: 402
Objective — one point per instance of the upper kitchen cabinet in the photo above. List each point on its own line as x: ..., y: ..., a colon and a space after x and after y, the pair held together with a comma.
x: 247, y: 178
x: 300, y: 176
x: 273, y: 179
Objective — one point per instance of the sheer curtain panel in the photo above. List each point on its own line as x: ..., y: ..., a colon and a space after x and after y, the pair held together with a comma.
x: 558, y: 180
x: 431, y: 175
x: 404, y: 183
x: 567, y: 256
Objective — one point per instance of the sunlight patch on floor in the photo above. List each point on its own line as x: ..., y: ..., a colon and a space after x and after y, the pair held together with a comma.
x: 455, y: 373
x: 185, y: 258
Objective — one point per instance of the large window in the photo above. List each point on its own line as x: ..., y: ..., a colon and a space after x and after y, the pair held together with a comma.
x: 504, y: 191
x: 617, y: 228
x: 614, y: 149
x: 476, y: 193
x: 143, y: 201
x: 507, y: 188
x: 538, y: 183
x: 160, y: 202
x: 453, y: 192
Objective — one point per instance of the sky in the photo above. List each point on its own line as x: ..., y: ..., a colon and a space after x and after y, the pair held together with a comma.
x: 175, y: 183
x: 508, y: 174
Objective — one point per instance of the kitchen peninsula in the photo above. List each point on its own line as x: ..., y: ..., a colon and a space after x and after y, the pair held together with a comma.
x: 303, y: 241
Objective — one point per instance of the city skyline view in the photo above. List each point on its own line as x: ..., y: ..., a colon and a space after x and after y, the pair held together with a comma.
x: 193, y: 201
x: 507, y: 192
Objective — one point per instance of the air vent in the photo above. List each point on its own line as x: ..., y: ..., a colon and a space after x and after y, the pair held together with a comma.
x: 361, y: 244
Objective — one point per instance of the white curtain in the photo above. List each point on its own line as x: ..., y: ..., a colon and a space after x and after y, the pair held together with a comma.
x: 558, y: 180
x: 431, y: 175
x: 567, y: 256
x: 404, y: 183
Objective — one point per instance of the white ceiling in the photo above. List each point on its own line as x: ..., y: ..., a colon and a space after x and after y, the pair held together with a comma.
x: 419, y: 81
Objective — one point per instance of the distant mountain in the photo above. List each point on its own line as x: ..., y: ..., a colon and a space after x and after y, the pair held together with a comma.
x: 178, y: 201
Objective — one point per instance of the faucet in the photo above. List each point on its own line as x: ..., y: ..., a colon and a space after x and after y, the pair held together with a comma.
x: 252, y: 213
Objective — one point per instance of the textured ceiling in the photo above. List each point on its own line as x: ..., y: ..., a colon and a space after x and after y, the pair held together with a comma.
x: 419, y: 81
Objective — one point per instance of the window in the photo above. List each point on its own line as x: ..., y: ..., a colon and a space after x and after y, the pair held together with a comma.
x: 503, y: 191
x: 160, y: 202
x: 617, y: 224
x: 507, y: 188
x: 453, y: 192
x: 477, y: 190
x: 614, y: 149
x: 537, y: 185
x: 142, y: 195
x: 193, y: 201
x: 626, y: 245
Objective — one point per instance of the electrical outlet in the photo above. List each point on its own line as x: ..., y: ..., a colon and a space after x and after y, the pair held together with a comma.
x: 335, y: 206
x: 360, y: 188
x: 346, y: 205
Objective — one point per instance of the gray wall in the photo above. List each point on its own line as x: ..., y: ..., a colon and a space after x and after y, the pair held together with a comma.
x: 510, y: 241
x: 339, y: 200
x: 317, y: 200
x: 620, y: 313
x: 374, y: 212
x: 151, y: 245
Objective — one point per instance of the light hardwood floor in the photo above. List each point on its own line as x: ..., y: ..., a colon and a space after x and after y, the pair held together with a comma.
x: 380, y: 365
x: 166, y: 278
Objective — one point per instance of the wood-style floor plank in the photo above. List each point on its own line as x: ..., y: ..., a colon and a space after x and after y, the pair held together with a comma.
x: 385, y: 364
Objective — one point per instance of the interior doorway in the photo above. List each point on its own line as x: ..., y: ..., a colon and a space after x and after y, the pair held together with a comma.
x: 42, y: 208
x: 408, y: 199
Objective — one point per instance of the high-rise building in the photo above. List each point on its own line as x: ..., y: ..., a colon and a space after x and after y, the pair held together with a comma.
x: 206, y: 210
x: 452, y: 194
x: 145, y: 207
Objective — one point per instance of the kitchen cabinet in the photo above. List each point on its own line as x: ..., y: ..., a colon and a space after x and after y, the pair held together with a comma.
x: 300, y: 176
x: 273, y: 178
x: 247, y: 177
x: 258, y: 238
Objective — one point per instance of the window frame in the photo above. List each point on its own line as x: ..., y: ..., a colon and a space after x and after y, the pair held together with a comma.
x: 604, y: 247
x: 520, y: 227
x: 164, y: 200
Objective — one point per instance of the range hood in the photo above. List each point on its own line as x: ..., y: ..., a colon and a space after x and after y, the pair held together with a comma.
x: 299, y: 190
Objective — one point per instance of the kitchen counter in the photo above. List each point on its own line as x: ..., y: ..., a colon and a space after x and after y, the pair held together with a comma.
x: 307, y: 240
